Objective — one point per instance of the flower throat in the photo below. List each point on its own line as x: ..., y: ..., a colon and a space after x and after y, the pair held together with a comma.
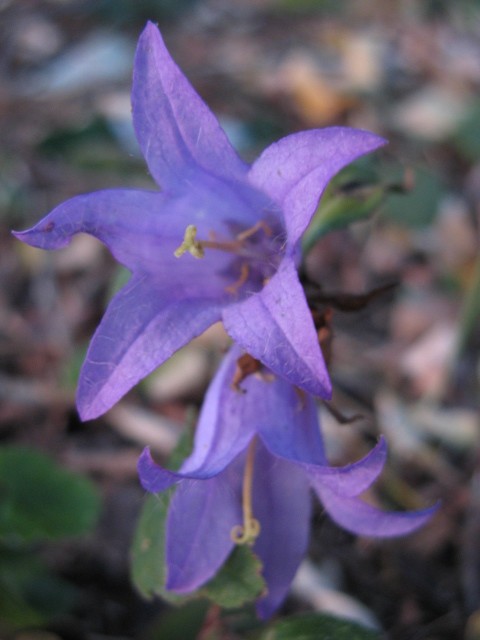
x: 256, y: 251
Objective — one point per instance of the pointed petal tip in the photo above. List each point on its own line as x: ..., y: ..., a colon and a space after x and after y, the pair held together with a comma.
x: 377, y: 141
x: 319, y: 384
x: 405, y: 523
x: 151, y: 30
x: 264, y: 609
x: 181, y: 585
x: 325, y: 388
x: 175, y: 584
x: 361, y: 518
x: 364, y: 140
x: 144, y: 462
x: 150, y: 38
x: 153, y: 478
x: 28, y: 236
x: 88, y: 410
x: 85, y: 415
x: 382, y: 442
x: 44, y: 235
x: 381, y: 448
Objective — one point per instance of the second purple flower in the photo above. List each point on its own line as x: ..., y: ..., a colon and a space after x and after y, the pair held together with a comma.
x: 256, y: 456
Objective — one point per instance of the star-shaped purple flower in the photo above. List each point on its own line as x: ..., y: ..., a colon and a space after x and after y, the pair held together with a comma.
x: 238, y: 225
x: 256, y: 456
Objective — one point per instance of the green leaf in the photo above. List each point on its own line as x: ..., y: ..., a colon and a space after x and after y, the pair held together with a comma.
x: 147, y: 558
x: 62, y: 141
x: 181, y: 623
x: 30, y: 594
x: 418, y: 207
x: 338, y: 212
x: 71, y: 368
x: 148, y: 550
x: 318, y: 626
x: 39, y: 500
x: 238, y: 582
x: 126, y: 12
x: 467, y: 137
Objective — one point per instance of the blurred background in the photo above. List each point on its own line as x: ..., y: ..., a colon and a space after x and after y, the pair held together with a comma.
x: 405, y: 362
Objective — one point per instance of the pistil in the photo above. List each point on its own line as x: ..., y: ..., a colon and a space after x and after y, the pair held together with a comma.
x: 249, y: 531
x: 196, y: 248
x: 190, y: 244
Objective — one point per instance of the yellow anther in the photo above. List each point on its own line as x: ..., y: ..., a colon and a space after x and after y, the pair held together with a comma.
x: 249, y: 531
x: 190, y: 244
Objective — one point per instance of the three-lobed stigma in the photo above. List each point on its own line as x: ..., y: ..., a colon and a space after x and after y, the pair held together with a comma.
x: 190, y: 244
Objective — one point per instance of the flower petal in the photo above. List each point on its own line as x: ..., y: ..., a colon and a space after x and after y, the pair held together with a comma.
x: 142, y: 327
x: 201, y: 517
x: 353, y: 479
x: 176, y: 130
x: 275, y: 326
x: 357, y: 516
x: 295, y: 170
x: 226, y: 423
x: 290, y: 428
x: 155, y: 478
x: 123, y: 219
x: 224, y: 429
x: 281, y: 503
x: 142, y: 229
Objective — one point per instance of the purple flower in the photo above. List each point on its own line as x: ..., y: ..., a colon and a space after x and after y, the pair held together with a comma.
x: 255, y: 458
x: 238, y: 225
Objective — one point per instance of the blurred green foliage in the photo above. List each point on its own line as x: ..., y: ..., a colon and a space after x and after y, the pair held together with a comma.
x: 39, y: 502
x: 467, y: 138
x: 125, y: 12
x: 316, y: 626
x: 418, y: 206
x: 237, y: 583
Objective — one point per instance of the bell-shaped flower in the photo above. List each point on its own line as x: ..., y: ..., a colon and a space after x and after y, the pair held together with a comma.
x: 256, y: 455
x: 218, y: 242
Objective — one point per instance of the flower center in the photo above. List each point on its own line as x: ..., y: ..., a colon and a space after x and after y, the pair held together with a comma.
x: 196, y: 248
x: 249, y: 531
x: 256, y: 253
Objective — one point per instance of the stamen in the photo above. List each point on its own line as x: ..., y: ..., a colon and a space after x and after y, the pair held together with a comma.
x: 261, y: 224
x: 247, y: 365
x: 190, y: 244
x: 244, y: 273
x: 302, y: 396
x: 249, y: 531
